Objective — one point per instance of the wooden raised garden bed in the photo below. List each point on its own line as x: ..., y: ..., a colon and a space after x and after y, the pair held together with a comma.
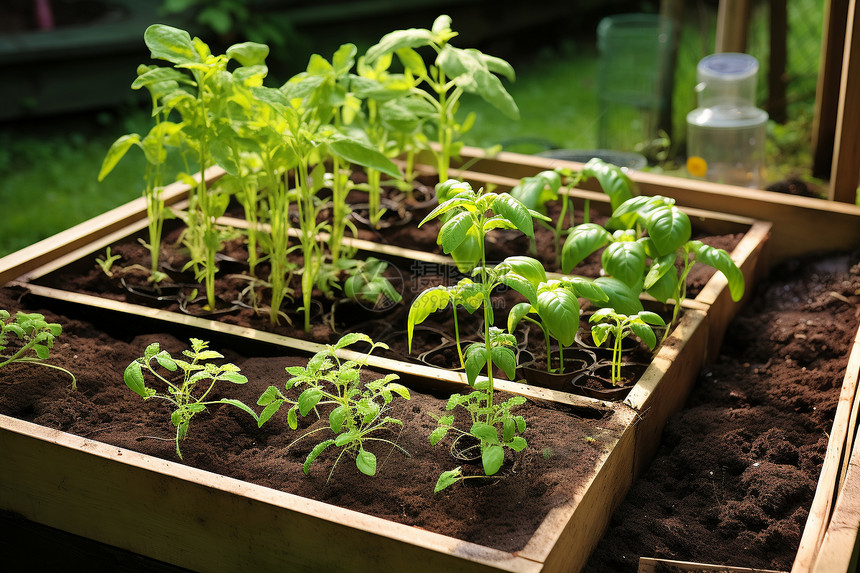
x: 203, y: 521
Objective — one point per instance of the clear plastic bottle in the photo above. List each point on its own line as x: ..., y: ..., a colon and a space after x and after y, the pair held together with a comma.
x: 726, y: 133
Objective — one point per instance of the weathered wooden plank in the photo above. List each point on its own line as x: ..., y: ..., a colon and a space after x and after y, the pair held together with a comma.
x: 834, y: 469
x: 208, y: 522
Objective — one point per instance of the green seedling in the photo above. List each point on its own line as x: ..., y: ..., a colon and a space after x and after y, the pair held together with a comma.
x: 453, y: 72
x: 183, y: 380
x: 106, y: 264
x: 468, y: 217
x: 648, y: 247
x: 614, y: 326
x: 36, y: 337
x: 359, y: 410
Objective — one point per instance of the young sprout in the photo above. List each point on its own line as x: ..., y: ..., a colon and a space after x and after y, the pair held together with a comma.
x: 359, y: 410
x: 36, y: 336
x: 182, y: 391
x: 608, y: 322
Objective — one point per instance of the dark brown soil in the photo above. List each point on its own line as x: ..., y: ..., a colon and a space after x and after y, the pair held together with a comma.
x: 731, y: 484
x: 734, y: 478
x: 564, y: 447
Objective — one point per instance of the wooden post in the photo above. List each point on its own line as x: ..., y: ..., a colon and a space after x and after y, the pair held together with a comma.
x: 827, y: 90
x: 733, y: 18
x: 776, y: 79
x: 845, y: 172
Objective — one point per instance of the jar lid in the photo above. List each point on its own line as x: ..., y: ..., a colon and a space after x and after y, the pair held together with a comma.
x: 728, y: 66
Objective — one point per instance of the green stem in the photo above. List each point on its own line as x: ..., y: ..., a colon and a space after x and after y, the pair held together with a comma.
x: 457, y: 338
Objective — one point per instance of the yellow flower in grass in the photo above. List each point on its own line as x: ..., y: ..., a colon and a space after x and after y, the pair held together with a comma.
x: 696, y: 166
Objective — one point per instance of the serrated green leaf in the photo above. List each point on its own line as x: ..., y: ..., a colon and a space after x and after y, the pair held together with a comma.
x: 438, y: 434
x: 314, y: 454
x: 447, y: 479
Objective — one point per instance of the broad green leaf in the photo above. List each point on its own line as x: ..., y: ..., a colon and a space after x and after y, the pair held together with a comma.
x: 270, y: 410
x: 469, y: 71
x: 651, y: 318
x: 669, y: 229
x: 625, y: 260
x: 133, y: 378
x: 437, y: 434
x: 248, y: 53
x: 600, y: 332
x: 337, y: 417
x: 659, y: 267
x: 664, y: 287
x: 350, y: 339
x: 166, y: 362
x: 365, y: 462
x: 475, y: 361
x: 614, y: 182
x: 585, y: 288
x: 171, y: 44
x: 454, y: 231
x: 622, y: 298
x: 645, y: 334
x: 504, y: 358
x: 508, y: 207
x: 234, y: 377
x: 520, y: 284
x: 116, y: 152
x: 518, y: 444
x: 239, y: 404
x: 399, y: 39
x: 528, y: 267
x: 559, y: 311
x: 535, y: 192
x: 426, y: 303
x: 509, y: 428
x: 485, y: 432
x: 722, y: 261
x: 468, y: 254
x: 360, y: 153
x: 582, y: 241
x: 492, y: 459
x: 517, y: 313
x: 447, y: 479
x: 308, y: 400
